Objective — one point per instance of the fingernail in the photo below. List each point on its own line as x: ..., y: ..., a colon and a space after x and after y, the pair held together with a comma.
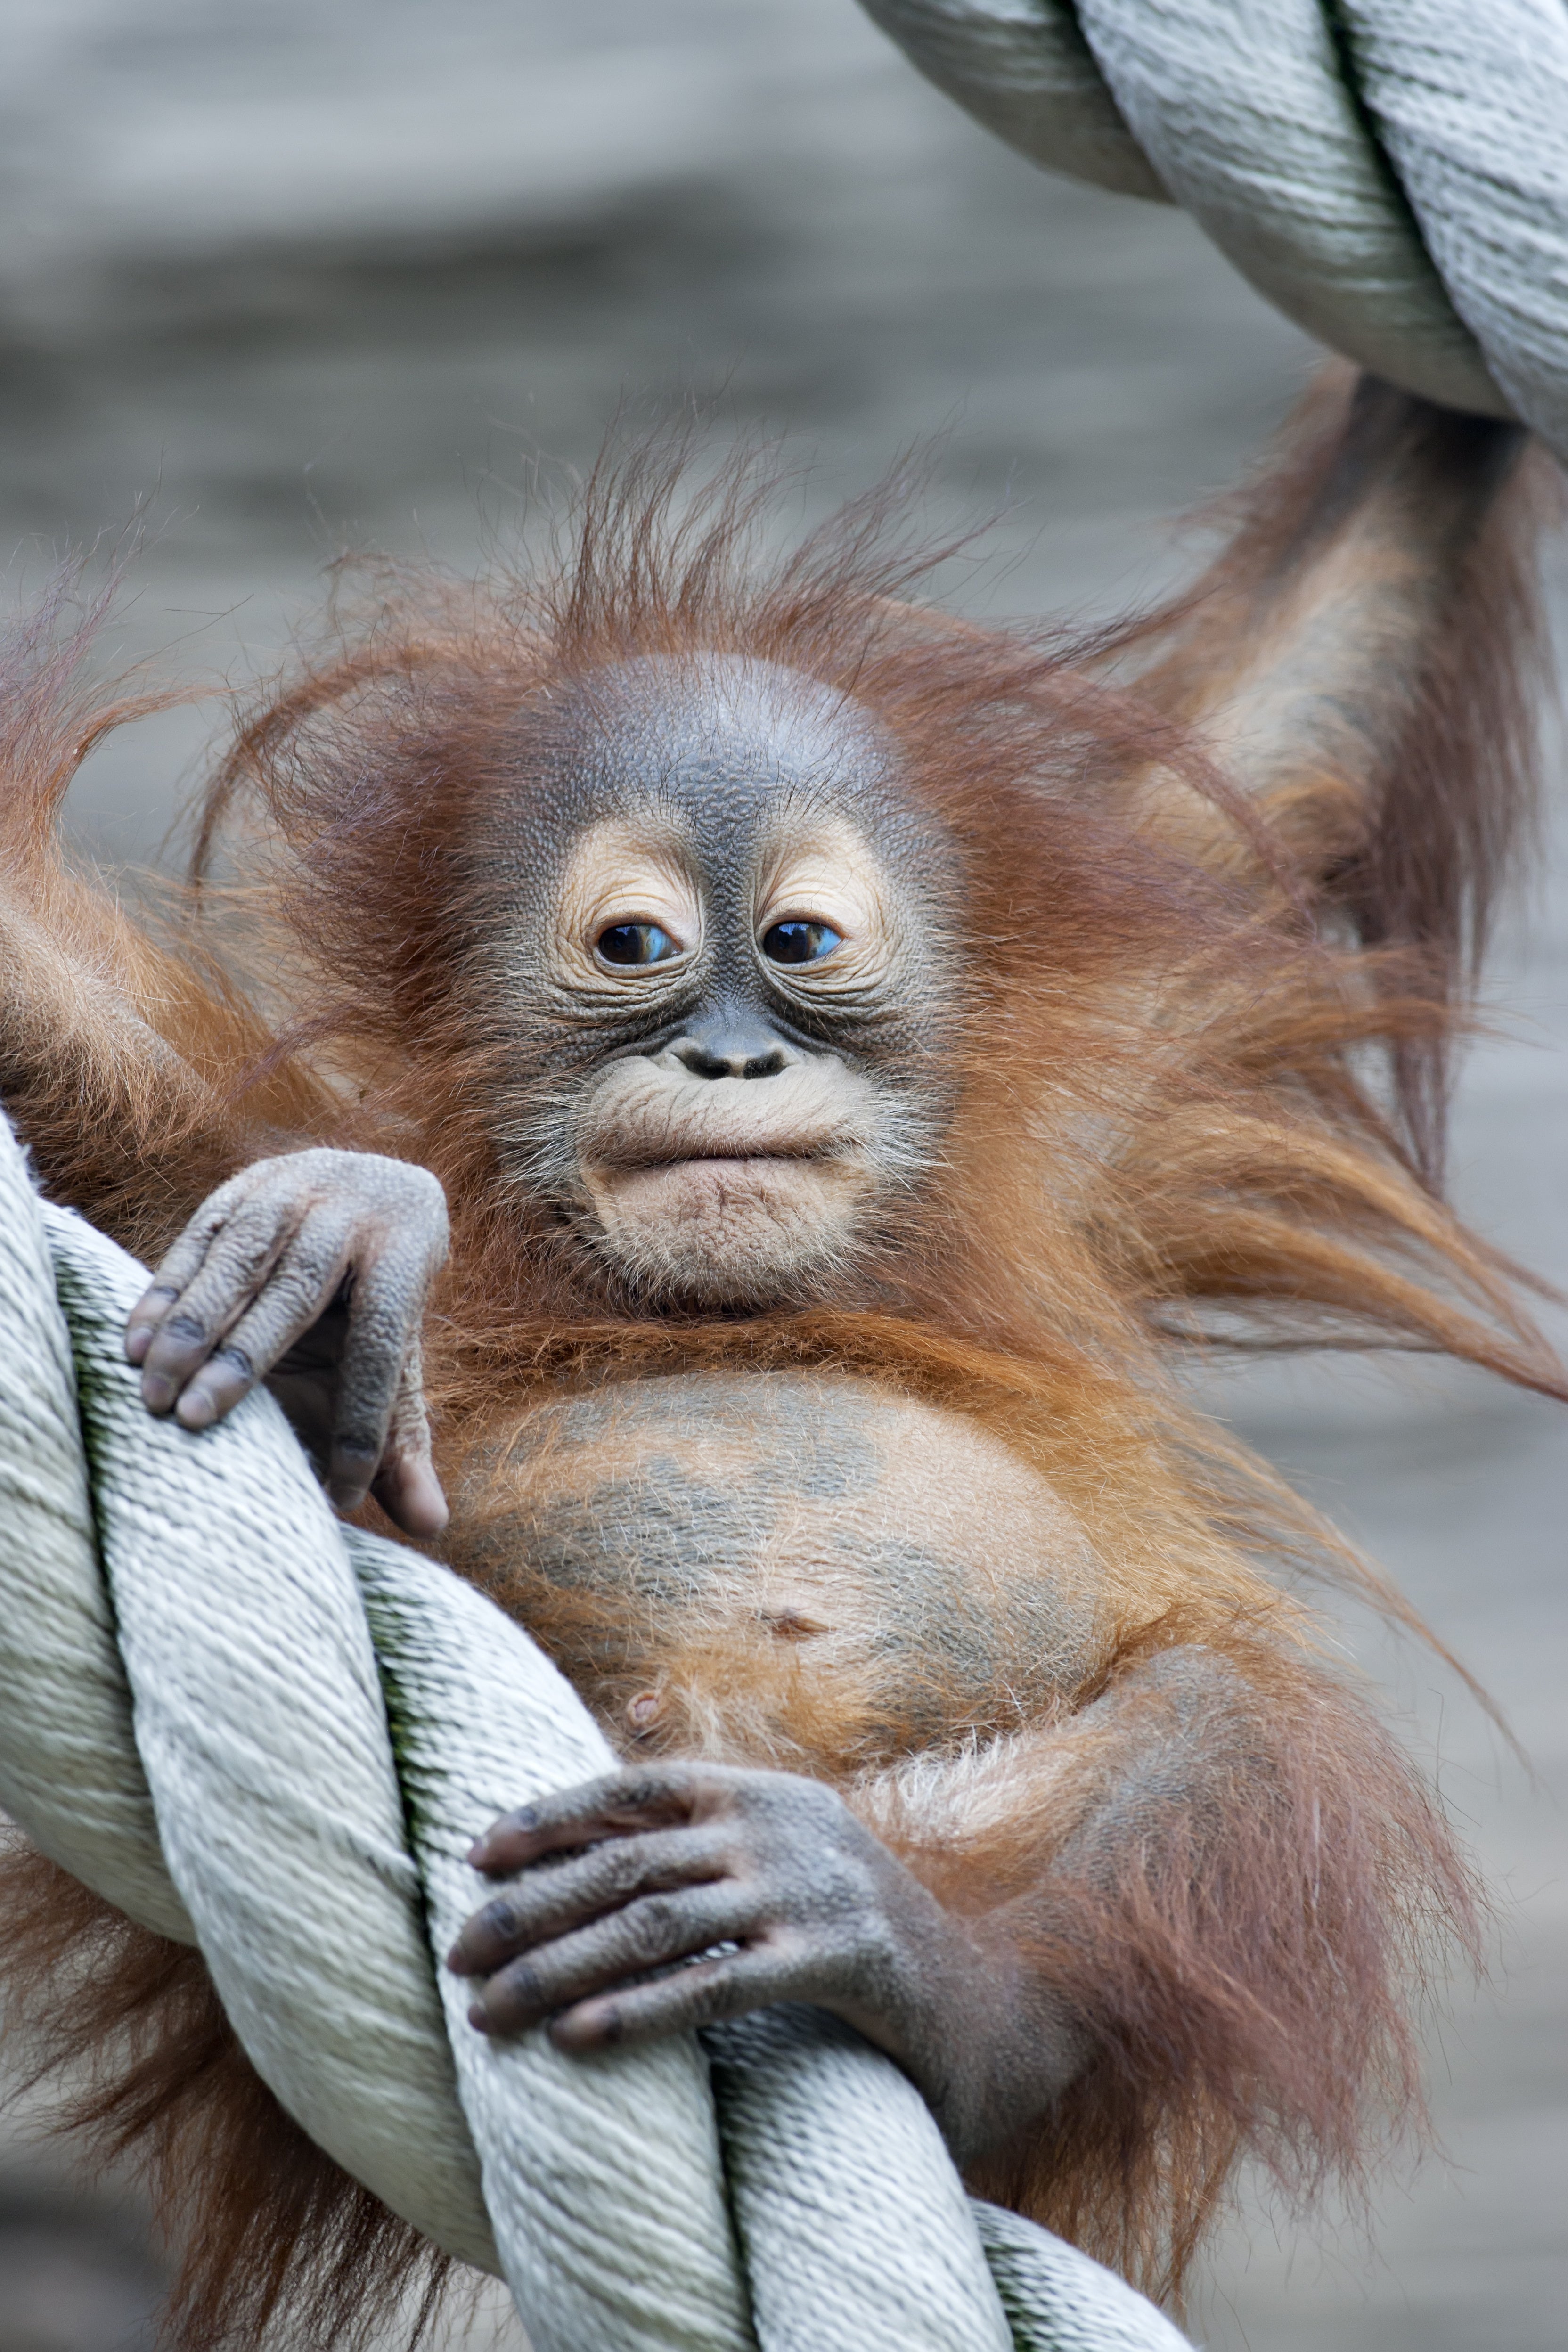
x: 456, y: 1960
x: 425, y: 1505
x: 137, y: 1343
x: 479, y: 2018
x: 195, y: 1410
x: 157, y: 1391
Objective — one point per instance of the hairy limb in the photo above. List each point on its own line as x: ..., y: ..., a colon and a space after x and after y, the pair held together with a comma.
x: 135, y: 1073
x: 271, y: 2242
x: 1364, y: 661
x: 120, y: 1124
x: 1306, y: 652
x: 1236, y: 1881
x: 1192, y: 1898
x: 308, y: 1271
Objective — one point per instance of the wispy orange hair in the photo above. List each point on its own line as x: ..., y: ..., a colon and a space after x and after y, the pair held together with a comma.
x: 1171, y: 1125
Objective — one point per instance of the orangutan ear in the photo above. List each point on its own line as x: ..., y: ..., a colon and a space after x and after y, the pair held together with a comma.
x: 1357, y: 658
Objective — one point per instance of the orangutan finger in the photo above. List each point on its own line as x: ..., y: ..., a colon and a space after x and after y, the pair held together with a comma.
x: 653, y: 1796
x: 718, y: 1984
x: 301, y: 1285
x: 653, y: 1932
x: 386, y: 1305
x: 567, y: 1895
x: 406, y: 1485
x: 178, y: 1266
x: 239, y: 1263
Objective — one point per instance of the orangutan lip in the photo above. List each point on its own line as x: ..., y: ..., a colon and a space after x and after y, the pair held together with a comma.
x: 667, y: 1164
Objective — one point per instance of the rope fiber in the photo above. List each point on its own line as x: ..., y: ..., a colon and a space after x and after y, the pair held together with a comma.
x: 1392, y: 174
x: 257, y: 1730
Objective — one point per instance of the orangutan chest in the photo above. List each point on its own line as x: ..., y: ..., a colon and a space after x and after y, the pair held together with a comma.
x: 787, y: 1567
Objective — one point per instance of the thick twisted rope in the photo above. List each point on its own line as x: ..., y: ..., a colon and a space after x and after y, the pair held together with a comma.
x: 1392, y: 174
x: 254, y: 1731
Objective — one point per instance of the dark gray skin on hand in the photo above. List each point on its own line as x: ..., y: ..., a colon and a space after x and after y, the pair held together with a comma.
x: 805, y: 1904
x: 740, y: 1889
x: 309, y: 1271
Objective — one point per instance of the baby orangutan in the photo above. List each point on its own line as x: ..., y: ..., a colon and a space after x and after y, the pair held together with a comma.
x: 784, y: 1073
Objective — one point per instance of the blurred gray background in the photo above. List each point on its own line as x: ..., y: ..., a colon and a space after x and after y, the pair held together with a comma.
x: 291, y: 278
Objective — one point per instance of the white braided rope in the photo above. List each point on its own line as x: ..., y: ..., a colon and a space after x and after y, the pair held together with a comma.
x: 258, y: 1731
x: 1392, y: 174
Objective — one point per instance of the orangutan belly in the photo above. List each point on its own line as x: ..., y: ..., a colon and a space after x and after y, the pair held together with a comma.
x: 795, y: 1568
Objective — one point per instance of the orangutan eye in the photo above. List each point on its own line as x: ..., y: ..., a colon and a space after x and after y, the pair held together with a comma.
x: 635, y: 943
x: 799, y: 942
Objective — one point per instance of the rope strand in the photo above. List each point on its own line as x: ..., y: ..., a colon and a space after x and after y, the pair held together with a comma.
x: 1393, y: 174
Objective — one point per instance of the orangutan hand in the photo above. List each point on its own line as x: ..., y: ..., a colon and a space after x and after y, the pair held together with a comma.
x: 740, y: 1889
x: 307, y: 1271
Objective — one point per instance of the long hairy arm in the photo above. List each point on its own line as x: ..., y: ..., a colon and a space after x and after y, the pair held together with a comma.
x: 1221, y: 1883
x: 1364, y: 659
x: 136, y: 1075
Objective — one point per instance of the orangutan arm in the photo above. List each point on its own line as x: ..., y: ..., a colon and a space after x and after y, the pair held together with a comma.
x: 1359, y: 654
x: 1194, y: 1889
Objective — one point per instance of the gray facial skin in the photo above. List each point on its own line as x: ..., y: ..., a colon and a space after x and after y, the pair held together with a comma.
x: 754, y: 792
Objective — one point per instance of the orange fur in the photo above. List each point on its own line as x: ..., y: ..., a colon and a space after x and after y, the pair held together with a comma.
x: 1167, y: 1113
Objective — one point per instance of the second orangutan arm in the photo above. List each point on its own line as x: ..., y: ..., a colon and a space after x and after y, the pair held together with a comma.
x: 771, y: 1888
